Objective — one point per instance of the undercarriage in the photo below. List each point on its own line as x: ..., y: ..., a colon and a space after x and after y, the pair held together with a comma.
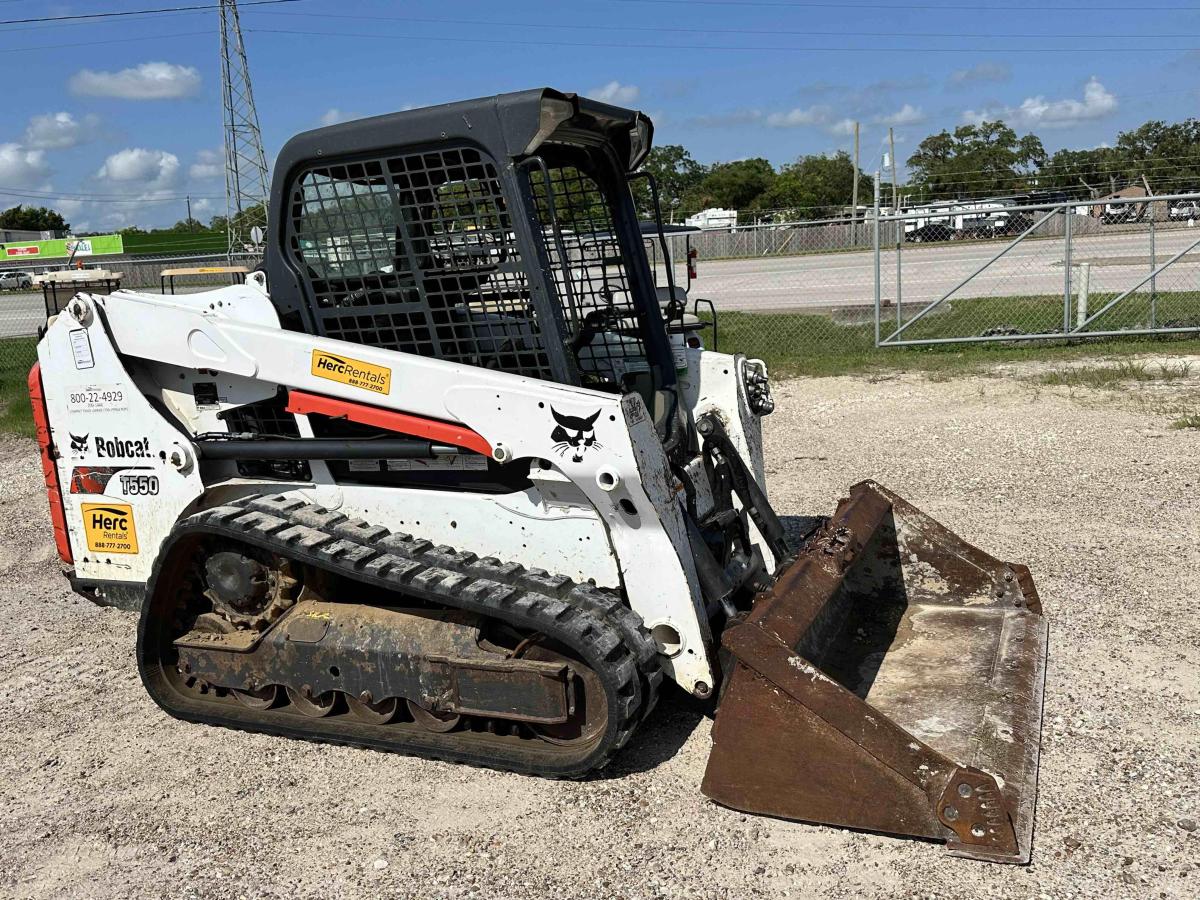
x: 385, y: 640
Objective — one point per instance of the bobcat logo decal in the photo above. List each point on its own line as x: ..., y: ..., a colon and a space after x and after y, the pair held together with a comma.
x: 575, y: 434
x: 79, y: 444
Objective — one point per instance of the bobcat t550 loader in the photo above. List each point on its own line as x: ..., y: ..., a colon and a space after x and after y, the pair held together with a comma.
x: 452, y: 477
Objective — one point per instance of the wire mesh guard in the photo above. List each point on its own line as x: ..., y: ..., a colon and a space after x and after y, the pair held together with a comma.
x: 416, y: 253
x: 589, y: 273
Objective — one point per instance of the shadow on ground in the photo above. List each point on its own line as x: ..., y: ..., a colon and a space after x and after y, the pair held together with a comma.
x: 662, y: 735
x: 677, y: 715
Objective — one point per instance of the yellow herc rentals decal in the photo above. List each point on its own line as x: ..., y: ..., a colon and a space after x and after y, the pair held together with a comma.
x: 353, y: 372
x: 109, y: 528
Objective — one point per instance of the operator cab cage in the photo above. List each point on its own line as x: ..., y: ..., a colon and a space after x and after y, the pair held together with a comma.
x: 497, y: 232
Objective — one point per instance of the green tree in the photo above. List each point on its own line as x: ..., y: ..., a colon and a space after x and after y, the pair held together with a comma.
x: 733, y: 185
x: 247, y: 218
x: 31, y: 218
x: 974, y: 161
x: 676, y: 173
x: 1168, y: 155
x: 187, y: 226
x: 815, y: 187
x: 1088, y: 172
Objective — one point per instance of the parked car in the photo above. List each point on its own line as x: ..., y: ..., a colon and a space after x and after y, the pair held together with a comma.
x: 1184, y: 209
x: 11, y: 280
x: 934, y: 231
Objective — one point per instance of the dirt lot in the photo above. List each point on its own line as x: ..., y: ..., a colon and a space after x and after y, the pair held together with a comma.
x: 104, y: 796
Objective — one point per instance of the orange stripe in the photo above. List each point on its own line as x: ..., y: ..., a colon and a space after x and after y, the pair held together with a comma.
x: 49, y: 471
x: 304, y: 403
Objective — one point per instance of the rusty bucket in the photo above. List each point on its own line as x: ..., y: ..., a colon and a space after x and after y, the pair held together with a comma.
x: 890, y: 680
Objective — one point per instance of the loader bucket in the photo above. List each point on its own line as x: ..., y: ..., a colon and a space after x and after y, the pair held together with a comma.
x: 890, y: 680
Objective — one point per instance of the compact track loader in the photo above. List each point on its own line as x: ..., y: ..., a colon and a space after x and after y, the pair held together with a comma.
x: 464, y: 483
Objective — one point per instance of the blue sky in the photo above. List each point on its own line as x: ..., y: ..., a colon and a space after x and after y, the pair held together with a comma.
x: 114, y: 121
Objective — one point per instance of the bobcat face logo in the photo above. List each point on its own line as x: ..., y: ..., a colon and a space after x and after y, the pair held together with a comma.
x: 575, y: 434
x: 79, y: 444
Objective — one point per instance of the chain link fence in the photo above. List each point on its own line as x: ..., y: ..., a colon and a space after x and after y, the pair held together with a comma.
x: 1121, y: 268
x: 846, y: 289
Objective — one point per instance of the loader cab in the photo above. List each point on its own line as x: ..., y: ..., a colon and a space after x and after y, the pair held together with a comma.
x: 498, y: 233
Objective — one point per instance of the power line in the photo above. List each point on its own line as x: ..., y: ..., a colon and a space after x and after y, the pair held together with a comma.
x: 132, y: 40
x: 971, y: 7
x: 116, y: 14
x: 720, y: 30
x: 99, y: 198
x: 710, y: 47
x: 1068, y: 171
x: 14, y: 29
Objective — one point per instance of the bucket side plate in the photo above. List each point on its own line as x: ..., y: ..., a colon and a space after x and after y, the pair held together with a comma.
x: 890, y: 680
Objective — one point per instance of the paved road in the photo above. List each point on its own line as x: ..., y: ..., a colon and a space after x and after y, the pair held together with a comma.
x: 928, y: 272
x: 832, y: 280
x: 24, y: 314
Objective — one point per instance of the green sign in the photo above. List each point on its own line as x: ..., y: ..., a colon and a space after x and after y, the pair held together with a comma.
x: 100, y: 245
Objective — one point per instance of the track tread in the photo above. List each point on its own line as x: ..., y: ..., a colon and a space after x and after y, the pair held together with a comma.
x: 605, y: 605
x: 580, y: 615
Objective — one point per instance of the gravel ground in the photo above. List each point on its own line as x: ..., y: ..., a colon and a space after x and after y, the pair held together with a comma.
x: 105, y: 796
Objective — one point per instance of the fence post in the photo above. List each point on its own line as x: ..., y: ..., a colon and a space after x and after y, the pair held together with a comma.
x: 1153, y: 266
x: 898, y: 230
x: 1081, y: 293
x: 875, y: 244
x: 1069, y: 214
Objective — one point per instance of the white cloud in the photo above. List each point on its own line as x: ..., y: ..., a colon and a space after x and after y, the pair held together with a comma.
x: 842, y: 127
x: 615, y: 92
x: 813, y: 115
x: 148, y: 169
x: 800, y: 117
x: 905, y: 115
x: 69, y: 207
x: 981, y: 72
x: 146, y: 177
x: 59, y: 131
x: 333, y: 116
x: 21, y: 166
x: 149, y: 81
x: 208, y: 164
x: 1038, y: 112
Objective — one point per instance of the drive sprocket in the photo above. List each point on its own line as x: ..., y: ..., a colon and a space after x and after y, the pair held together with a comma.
x: 247, y: 587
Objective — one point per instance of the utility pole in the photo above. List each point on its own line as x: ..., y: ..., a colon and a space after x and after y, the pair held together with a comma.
x: 854, y: 193
x: 189, y: 213
x: 245, y: 161
x: 895, y: 183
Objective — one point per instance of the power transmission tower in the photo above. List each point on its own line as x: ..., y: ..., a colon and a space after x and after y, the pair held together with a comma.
x: 245, y: 162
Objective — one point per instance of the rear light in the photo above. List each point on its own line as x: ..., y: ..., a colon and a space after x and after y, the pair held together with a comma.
x: 694, y: 342
x: 692, y: 256
x: 58, y: 516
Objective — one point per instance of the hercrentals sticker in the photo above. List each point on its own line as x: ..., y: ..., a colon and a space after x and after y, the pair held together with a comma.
x: 353, y: 372
x: 109, y: 528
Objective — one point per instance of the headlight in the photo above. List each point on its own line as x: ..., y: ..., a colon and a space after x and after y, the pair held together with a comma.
x: 758, y: 389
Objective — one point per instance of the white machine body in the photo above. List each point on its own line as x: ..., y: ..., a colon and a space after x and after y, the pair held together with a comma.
x: 123, y: 417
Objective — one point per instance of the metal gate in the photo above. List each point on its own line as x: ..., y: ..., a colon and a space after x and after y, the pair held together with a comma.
x: 997, y: 271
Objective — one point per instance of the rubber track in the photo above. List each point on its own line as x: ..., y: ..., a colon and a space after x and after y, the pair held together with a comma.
x: 605, y: 605
x: 580, y: 615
